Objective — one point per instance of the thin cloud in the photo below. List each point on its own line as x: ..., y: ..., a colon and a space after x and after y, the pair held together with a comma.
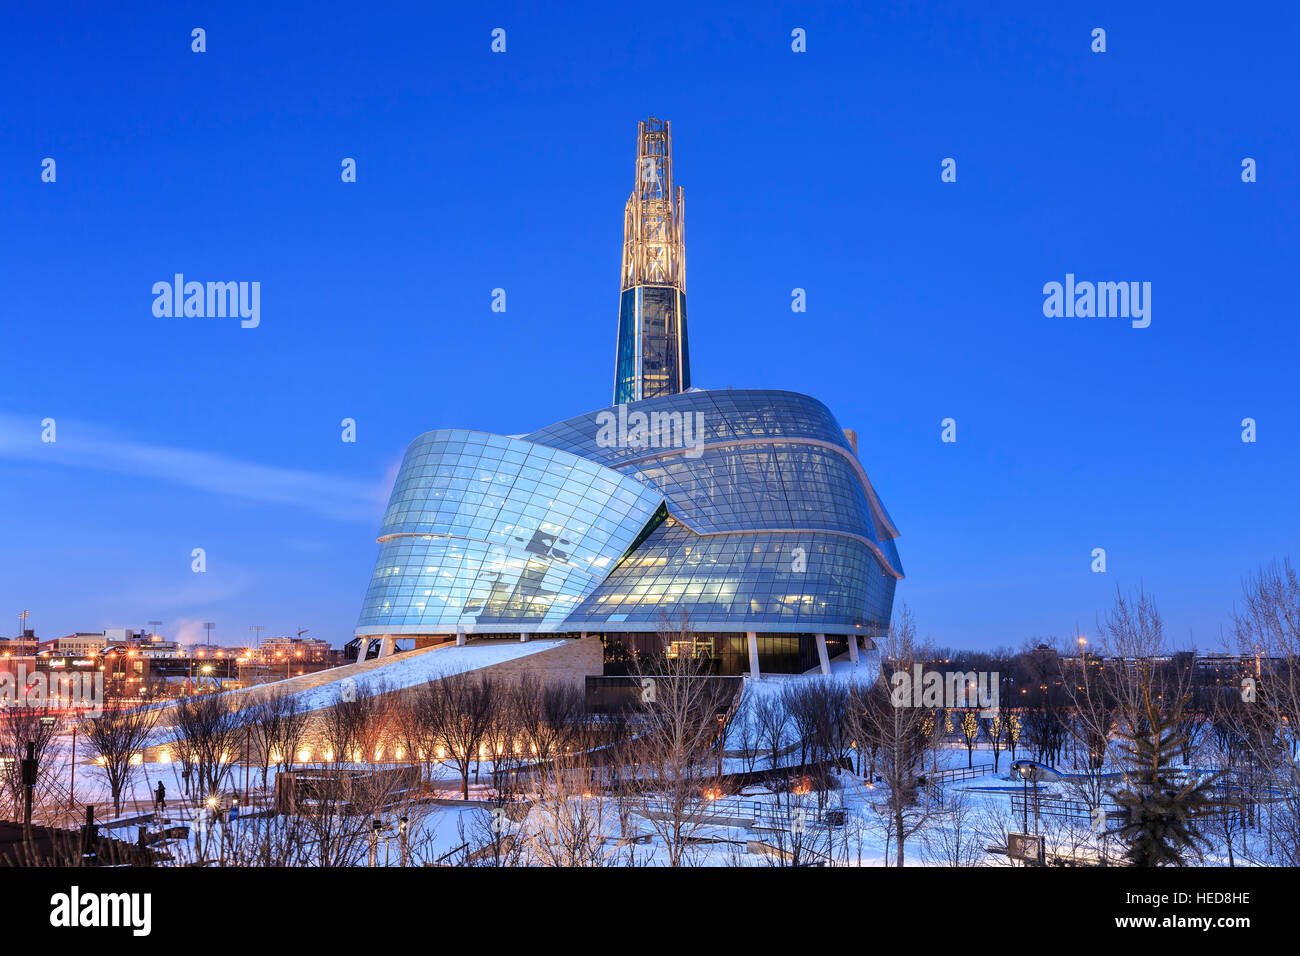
x: 330, y: 496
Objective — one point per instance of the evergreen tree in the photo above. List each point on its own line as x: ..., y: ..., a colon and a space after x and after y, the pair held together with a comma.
x: 1161, y: 803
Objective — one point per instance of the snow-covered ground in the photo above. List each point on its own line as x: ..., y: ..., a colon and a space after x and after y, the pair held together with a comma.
x: 974, y: 815
x: 982, y: 815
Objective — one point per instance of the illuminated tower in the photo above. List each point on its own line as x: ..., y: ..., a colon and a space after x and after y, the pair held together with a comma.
x: 652, y: 357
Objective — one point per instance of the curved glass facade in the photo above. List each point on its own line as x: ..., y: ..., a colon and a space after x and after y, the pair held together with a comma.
x: 756, y: 516
x: 745, y: 476
x: 744, y: 582
x: 486, y: 530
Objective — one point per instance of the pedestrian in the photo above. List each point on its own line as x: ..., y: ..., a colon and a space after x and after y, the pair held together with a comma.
x: 160, y: 798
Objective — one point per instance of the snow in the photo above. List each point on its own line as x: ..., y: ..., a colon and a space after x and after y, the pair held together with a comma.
x: 413, y: 668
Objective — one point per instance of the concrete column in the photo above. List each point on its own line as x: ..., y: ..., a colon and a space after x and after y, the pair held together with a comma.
x: 752, y: 639
x: 460, y: 637
x: 822, y: 657
x: 388, y: 646
x: 853, y: 648
x: 523, y: 637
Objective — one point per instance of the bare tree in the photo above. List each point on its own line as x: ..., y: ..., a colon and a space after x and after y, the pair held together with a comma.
x: 898, y: 731
x: 995, y: 730
x: 970, y: 733
x: 494, y: 838
x: 1267, y: 628
x: 546, y: 714
x: 681, y: 721
x: 116, y: 739
x: 795, y: 836
x: 743, y: 733
x: 505, y: 746
x: 952, y: 839
x: 771, y: 720
x: 357, y: 800
x: 41, y: 727
x: 457, y: 711
x: 416, y: 730
x: 279, y: 728
x: 571, y: 824
x: 210, y: 731
x: 820, y: 712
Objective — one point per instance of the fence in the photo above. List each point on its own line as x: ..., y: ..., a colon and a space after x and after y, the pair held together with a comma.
x: 1072, y: 811
x: 757, y: 814
x: 308, y: 789
x: 1078, y: 811
x: 957, y: 774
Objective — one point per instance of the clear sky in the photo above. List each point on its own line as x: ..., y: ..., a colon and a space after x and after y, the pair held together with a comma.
x: 817, y: 170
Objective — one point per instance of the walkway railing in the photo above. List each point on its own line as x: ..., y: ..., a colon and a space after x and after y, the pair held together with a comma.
x: 956, y: 774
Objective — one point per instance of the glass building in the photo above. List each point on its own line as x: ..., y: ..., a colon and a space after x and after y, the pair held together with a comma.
x: 756, y: 521
x: 746, y: 513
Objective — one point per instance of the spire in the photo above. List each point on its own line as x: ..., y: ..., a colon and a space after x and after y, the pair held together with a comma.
x: 652, y: 357
x: 654, y: 251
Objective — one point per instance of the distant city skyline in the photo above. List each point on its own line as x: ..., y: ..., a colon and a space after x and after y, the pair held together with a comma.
x: 824, y: 171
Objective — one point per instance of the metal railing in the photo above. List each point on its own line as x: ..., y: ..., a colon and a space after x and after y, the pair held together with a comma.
x: 956, y: 774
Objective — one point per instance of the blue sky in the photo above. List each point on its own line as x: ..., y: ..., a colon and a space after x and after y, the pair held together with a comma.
x: 477, y: 170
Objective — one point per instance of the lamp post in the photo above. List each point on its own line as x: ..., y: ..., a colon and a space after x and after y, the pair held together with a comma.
x: 722, y: 718
x: 72, y: 781
x: 29, y: 786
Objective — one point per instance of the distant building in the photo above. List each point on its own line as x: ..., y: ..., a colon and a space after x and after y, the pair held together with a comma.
x: 24, y: 645
x: 80, y: 644
x: 126, y: 669
x: 155, y: 648
x: 306, y: 650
